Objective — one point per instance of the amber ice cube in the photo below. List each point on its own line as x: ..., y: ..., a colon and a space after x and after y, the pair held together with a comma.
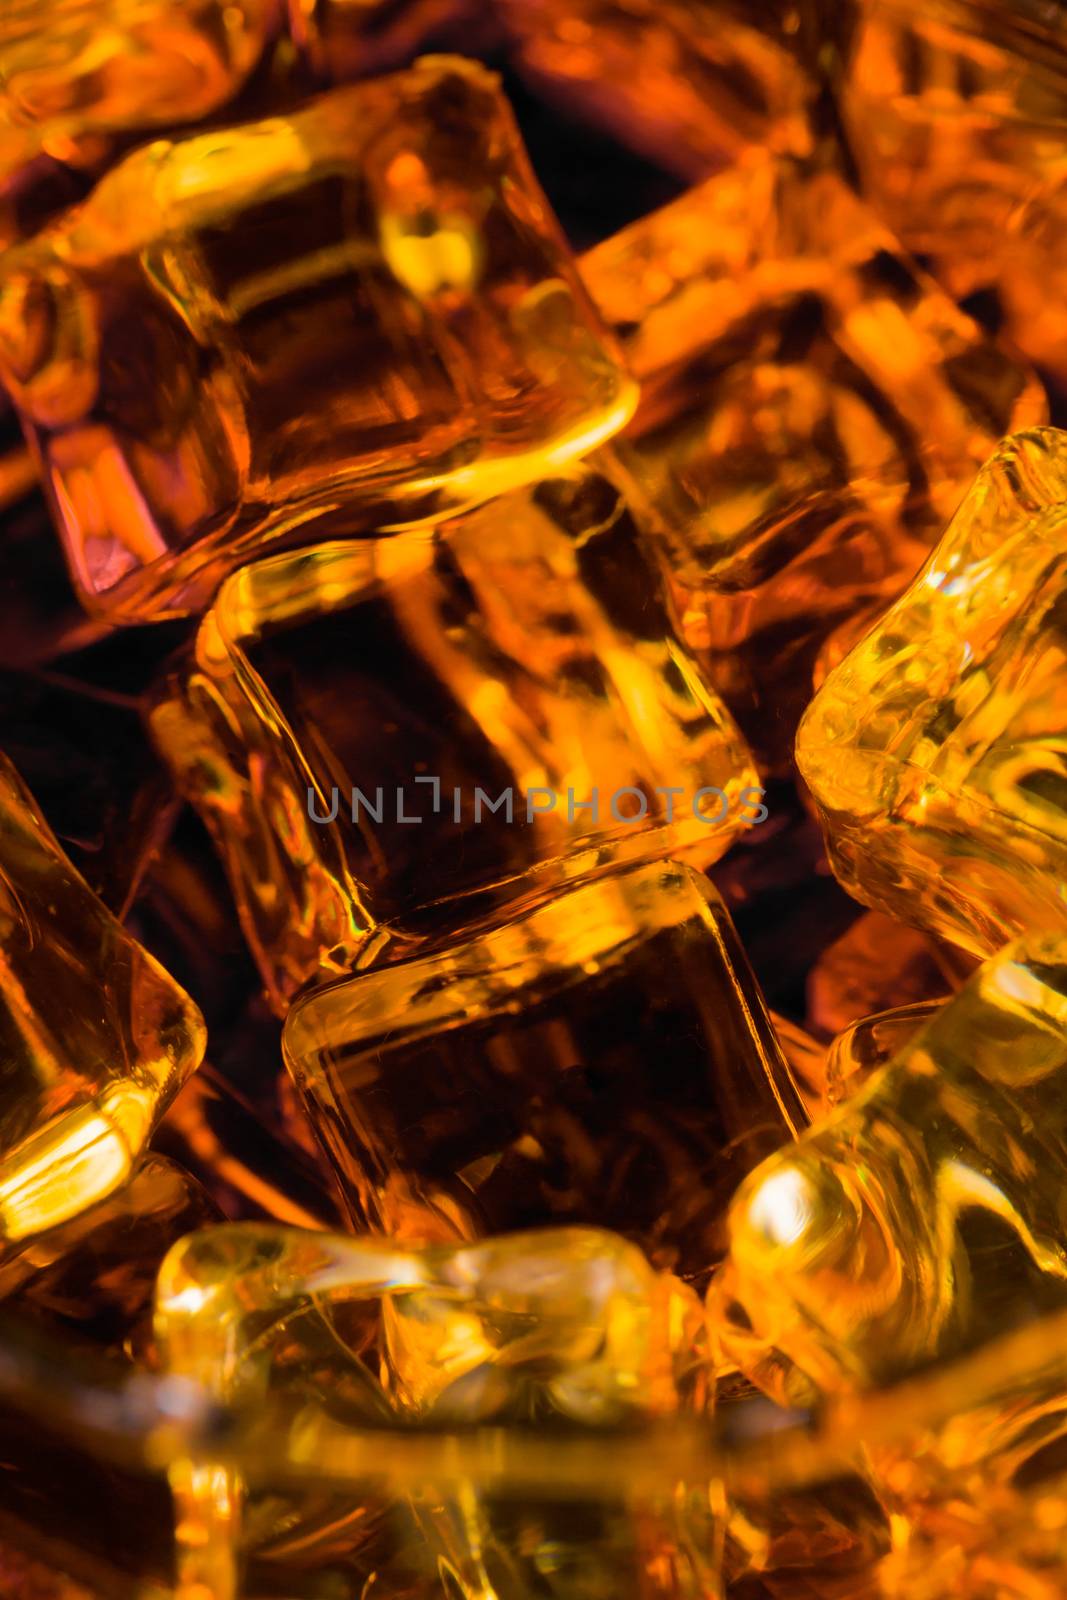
x: 934, y: 751
x: 77, y: 74
x: 691, y: 85
x: 566, y: 1327
x: 97, y: 1037
x: 420, y: 730
x: 363, y: 308
x: 925, y: 1216
x: 495, y: 1330
x: 94, y: 1275
x: 956, y: 116
x: 812, y: 409
x: 605, y: 1058
x: 802, y: 383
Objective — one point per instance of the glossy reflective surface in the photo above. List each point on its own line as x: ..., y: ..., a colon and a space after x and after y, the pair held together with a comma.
x: 604, y: 1058
x: 416, y: 732
x: 924, y: 1215
x: 385, y: 249
x: 934, y: 749
x: 97, y: 1037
